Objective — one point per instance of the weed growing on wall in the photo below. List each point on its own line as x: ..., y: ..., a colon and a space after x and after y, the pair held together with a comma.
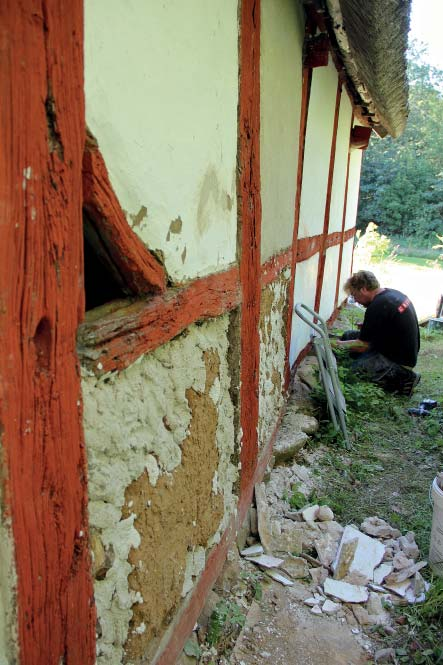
x: 224, y: 625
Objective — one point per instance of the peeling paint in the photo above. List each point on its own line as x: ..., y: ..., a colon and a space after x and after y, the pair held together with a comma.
x: 145, y: 428
x: 273, y: 315
x: 139, y: 217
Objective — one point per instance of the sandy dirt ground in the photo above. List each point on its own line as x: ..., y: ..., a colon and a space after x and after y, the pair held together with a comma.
x: 282, y: 631
x: 422, y: 285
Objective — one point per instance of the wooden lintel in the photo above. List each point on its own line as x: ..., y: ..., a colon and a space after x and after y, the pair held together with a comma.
x: 360, y: 137
x: 317, y: 51
x: 140, y: 269
x: 116, y: 339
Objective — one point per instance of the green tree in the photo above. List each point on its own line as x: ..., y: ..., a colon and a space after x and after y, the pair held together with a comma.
x: 402, y: 179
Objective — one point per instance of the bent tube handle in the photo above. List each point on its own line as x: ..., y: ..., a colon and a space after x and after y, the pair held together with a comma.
x: 320, y: 329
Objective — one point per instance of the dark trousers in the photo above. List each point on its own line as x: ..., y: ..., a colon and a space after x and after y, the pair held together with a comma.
x: 375, y: 367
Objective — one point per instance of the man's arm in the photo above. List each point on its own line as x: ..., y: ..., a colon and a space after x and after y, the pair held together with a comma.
x: 354, y: 345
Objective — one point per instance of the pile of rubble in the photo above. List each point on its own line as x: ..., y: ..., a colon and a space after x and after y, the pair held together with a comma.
x: 357, y: 573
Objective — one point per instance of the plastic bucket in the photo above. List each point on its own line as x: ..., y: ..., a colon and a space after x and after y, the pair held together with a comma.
x: 436, y: 545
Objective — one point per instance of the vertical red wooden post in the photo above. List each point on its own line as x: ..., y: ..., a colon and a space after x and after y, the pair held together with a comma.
x: 305, y: 95
x: 249, y: 202
x: 41, y: 295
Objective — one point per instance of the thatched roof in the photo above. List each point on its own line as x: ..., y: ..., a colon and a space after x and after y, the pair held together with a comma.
x: 372, y: 38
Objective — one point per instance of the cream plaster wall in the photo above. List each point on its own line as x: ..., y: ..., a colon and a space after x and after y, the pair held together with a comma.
x: 329, y: 282
x: 340, y: 164
x: 136, y: 420
x: 161, y: 84
x: 8, y: 582
x: 346, y: 264
x: 272, y: 355
x: 282, y: 34
x: 317, y: 150
x: 304, y: 291
x: 353, y: 187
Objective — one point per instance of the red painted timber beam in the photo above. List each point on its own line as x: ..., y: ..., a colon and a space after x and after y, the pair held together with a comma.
x: 140, y: 269
x: 249, y: 205
x: 126, y: 330
x: 44, y: 479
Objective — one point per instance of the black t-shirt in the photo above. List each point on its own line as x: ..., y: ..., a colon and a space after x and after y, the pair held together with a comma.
x: 391, y: 327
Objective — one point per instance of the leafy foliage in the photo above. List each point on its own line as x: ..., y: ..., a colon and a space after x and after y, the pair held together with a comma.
x: 227, y: 618
x: 401, y: 187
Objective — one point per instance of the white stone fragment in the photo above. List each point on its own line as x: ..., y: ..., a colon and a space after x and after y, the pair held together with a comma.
x: 381, y: 572
x: 357, y: 557
x: 278, y: 577
x: 325, y: 514
x: 310, y: 513
x: 400, y: 588
x: 265, y: 560
x: 316, y: 610
x: 329, y: 607
x: 254, y: 550
x: 375, y: 526
x: 349, y: 593
x: 311, y: 602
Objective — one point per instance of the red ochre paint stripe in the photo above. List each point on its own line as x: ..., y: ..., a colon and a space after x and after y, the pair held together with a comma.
x: 41, y: 87
x: 250, y: 237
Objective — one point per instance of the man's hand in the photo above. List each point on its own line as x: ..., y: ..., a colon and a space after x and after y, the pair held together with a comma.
x: 354, y: 345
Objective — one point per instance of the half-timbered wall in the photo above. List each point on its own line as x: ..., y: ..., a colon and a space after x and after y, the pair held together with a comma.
x: 217, y: 169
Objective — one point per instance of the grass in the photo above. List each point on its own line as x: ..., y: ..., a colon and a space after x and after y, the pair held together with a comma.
x: 416, y: 260
x: 388, y: 473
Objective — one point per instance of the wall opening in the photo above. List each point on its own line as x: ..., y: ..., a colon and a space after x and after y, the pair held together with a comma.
x: 103, y: 280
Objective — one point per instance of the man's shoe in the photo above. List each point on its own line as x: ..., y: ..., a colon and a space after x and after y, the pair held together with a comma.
x: 409, y: 385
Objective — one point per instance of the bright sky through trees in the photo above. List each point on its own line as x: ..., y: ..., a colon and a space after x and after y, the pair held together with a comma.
x: 426, y: 27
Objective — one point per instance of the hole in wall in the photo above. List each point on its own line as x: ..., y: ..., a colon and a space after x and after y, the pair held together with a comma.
x: 103, y: 280
x: 42, y: 344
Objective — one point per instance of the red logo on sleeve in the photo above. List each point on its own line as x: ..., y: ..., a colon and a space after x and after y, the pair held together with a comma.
x: 405, y: 304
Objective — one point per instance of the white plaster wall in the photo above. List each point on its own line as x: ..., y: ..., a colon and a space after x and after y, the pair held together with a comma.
x: 346, y: 264
x: 8, y: 583
x: 161, y: 85
x: 304, y: 291
x: 272, y: 359
x: 353, y: 187
x: 329, y: 282
x: 319, y: 130
x: 340, y: 164
x: 282, y: 34
x: 124, y: 416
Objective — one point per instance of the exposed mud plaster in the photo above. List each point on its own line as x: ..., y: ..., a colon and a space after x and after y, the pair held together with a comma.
x: 273, y: 313
x: 8, y: 581
x: 139, y: 217
x: 160, y: 437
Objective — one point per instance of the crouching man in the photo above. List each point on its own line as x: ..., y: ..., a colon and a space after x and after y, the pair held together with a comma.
x: 386, y: 346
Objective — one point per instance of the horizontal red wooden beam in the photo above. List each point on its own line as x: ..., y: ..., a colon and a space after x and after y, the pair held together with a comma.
x: 115, y: 335
x: 140, y: 270
x: 274, y: 266
x: 307, y: 247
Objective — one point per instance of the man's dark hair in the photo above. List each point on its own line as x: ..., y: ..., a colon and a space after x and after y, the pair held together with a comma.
x: 363, y: 279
